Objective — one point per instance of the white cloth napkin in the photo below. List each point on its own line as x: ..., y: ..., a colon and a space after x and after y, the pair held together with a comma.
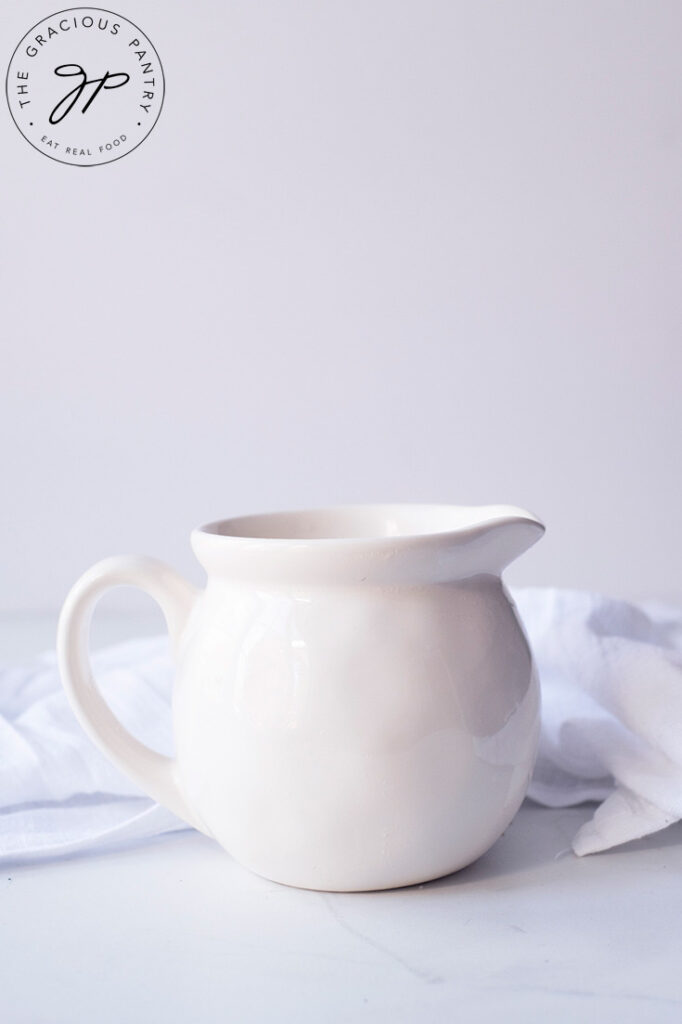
x: 611, y: 676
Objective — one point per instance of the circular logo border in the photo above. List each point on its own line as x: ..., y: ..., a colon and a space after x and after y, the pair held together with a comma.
x: 69, y: 163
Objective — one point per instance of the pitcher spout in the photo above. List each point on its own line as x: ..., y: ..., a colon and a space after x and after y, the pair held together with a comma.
x: 498, y: 536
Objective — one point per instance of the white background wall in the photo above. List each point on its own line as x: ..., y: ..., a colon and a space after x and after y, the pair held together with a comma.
x: 373, y: 250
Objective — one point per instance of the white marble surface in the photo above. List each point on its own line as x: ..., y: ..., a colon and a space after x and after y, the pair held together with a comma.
x: 175, y: 931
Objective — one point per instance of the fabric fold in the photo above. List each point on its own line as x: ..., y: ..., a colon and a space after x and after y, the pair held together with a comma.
x: 611, y: 679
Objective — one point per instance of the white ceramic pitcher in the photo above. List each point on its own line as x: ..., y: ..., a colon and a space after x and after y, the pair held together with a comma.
x: 355, y: 704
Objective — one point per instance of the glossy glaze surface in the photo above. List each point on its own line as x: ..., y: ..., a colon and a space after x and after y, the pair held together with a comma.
x: 356, y: 705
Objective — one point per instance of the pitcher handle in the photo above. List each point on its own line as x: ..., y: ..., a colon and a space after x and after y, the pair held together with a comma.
x: 156, y: 774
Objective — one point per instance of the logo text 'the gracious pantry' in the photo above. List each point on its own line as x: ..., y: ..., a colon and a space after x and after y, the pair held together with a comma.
x: 85, y: 86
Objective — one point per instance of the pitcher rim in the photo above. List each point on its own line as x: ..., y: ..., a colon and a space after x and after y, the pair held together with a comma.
x: 474, y: 518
